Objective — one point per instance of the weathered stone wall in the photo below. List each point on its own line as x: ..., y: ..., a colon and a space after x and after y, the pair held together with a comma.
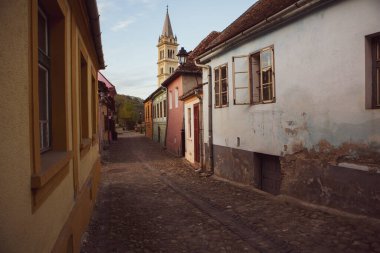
x: 326, y: 175
x: 234, y: 164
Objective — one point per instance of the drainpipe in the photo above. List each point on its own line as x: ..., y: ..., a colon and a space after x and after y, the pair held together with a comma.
x: 200, y: 123
x: 210, y: 139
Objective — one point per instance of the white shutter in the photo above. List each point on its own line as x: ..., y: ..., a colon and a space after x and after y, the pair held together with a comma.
x: 240, y: 79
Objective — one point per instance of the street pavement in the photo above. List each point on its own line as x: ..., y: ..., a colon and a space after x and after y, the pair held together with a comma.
x: 151, y: 201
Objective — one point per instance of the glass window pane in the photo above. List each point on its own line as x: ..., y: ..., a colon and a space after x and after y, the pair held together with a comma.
x: 217, y: 99
x: 224, y: 72
x: 266, y: 58
x: 43, y: 93
x: 224, y: 98
x: 224, y: 85
x: 42, y: 33
x: 216, y: 75
x: 216, y: 87
x: 267, y: 92
x: 267, y: 75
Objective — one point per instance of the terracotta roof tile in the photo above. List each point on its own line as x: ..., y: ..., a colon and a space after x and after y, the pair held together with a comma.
x: 258, y: 12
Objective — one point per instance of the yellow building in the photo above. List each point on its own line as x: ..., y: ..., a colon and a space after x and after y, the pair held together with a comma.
x: 167, y: 52
x: 49, y: 154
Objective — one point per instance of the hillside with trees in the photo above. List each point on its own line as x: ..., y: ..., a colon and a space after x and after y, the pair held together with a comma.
x: 129, y: 110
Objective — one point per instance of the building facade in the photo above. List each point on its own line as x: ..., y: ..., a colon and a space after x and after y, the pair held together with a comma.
x: 50, y: 149
x: 148, y: 117
x: 295, y: 117
x: 193, y: 105
x: 159, y: 115
x: 167, y: 52
x: 184, y: 79
x: 107, y: 112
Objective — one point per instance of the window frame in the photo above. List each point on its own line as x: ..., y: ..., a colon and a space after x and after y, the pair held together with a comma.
x: 45, y: 64
x: 219, y: 81
x: 51, y: 167
x: 170, y: 100
x: 176, y: 95
x: 260, y: 79
x: 375, y: 71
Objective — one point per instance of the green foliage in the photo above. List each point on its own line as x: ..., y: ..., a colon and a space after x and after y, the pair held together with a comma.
x: 128, y: 110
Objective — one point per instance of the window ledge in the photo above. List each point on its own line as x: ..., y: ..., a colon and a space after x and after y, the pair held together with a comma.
x: 85, y: 146
x: 51, y: 164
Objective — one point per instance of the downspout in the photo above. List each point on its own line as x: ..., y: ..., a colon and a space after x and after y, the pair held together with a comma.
x: 210, y: 135
x: 200, y: 123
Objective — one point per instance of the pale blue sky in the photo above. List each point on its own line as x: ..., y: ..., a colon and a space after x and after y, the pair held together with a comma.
x: 130, y: 31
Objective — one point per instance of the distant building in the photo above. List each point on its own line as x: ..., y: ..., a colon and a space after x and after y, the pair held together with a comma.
x: 159, y: 115
x: 148, y: 117
x: 50, y: 164
x: 294, y: 101
x: 193, y: 104
x: 167, y: 51
x: 107, y: 112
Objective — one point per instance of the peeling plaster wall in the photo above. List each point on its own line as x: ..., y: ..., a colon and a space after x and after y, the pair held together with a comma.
x: 320, y: 76
x: 310, y: 78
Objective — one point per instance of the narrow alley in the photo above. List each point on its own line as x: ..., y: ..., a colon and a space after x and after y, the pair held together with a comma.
x: 150, y: 201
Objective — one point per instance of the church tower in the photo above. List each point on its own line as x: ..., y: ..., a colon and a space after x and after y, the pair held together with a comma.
x: 167, y: 51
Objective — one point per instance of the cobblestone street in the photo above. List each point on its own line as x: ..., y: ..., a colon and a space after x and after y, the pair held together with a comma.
x: 150, y: 201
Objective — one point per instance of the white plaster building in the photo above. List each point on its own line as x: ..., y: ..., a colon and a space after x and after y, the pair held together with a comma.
x: 295, y: 101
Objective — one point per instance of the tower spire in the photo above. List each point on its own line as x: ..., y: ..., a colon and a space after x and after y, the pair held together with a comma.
x: 167, y: 29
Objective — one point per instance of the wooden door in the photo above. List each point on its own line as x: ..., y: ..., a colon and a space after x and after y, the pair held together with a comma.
x: 270, y: 174
x: 196, y: 133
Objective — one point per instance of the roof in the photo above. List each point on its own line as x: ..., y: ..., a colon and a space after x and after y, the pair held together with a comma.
x: 189, y: 68
x: 257, y: 13
x: 167, y: 29
x: 154, y: 93
x: 196, y: 90
x: 93, y: 15
x: 204, y: 44
x: 108, y: 84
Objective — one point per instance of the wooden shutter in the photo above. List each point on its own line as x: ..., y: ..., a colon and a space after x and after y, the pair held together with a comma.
x: 240, y: 80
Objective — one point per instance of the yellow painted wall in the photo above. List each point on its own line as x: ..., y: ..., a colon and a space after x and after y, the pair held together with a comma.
x: 23, y: 229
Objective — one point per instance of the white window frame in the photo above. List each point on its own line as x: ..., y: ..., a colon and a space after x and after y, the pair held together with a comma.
x: 176, y: 97
x: 219, y: 83
x: 253, y: 86
x: 170, y: 100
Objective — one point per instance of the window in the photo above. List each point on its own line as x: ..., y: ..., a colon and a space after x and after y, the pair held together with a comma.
x: 83, y: 103
x: 165, y: 108
x: 253, y: 78
x: 170, y: 100
x: 160, y: 106
x: 43, y: 82
x: 176, y: 97
x: 189, y: 121
x: 221, y: 86
x: 49, y: 101
x: 94, y: 106
x: 262, y: 72
x: 376, y: 72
